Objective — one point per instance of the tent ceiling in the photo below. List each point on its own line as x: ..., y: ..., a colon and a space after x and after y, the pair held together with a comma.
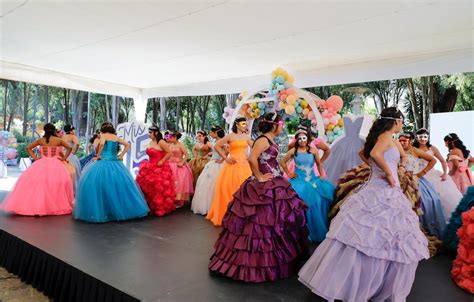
x: 159, y: 48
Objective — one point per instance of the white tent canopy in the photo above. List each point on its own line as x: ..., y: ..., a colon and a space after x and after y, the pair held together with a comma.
x: 145, y: 49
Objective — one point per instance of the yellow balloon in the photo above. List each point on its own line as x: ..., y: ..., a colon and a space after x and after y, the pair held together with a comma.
x: 282, y: 105
x: 254, y: 105
x: 274, y: 75
x: 279, y: 71
x: 331, y: 126
x: 257, y: 111
x: 290, y: 79
x: 304, y: 104
x: 340, y: 122
x: 291, y: 99
x: 285, y: 75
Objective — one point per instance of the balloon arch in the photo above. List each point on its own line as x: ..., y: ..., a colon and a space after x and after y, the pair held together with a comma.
x: 253, y: 98
x: 283, y: 97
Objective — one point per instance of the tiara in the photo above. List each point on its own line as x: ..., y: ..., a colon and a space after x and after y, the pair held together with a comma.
x: 301, y: 131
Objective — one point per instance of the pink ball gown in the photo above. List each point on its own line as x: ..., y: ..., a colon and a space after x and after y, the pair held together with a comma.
x: 45, y: 188
x: 462, y: 176
x: 183, y: 176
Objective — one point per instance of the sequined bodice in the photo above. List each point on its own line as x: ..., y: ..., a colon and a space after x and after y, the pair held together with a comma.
x: 392, y: 158
x: 200, y: 152
x: 238, y: 150
x: 176, y: 154
x: 267, y: 161
x: 155, y: 155
x: 304, y: 166
x: 109, y: 152
x: 51, y: 151
x: 412, y: 164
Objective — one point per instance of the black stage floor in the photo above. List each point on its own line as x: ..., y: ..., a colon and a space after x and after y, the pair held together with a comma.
x: 165, y: 259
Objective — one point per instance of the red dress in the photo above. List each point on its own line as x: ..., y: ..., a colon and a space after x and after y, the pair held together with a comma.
x: 157, y: 183
x: 463, y: 266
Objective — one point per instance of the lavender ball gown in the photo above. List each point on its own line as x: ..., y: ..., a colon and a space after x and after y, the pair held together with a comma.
x: 373, y: 246
x: 345, y: 152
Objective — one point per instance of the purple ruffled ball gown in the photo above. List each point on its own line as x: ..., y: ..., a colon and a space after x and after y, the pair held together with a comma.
x: 264, y: 232
x: 373, y: 246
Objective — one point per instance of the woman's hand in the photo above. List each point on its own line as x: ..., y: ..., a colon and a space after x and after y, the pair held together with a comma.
x: 180, y: 164
x: 443, y: 177
x: 265, y: 177
x: 390, y: 180
x: 160, y: 163
x: 230, y: 161
x: 219, y: 161
x: 291, y: 174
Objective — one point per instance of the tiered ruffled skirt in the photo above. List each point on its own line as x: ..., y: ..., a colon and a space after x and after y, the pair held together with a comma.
x: 264, y: 235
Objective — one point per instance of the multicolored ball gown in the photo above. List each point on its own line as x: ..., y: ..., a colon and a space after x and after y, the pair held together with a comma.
x: 229, y: 181
x: 183, y: 176
x: 157, y: 183
x: 462, y: 177
x: 315, y: 192
x: 373, y: 246
x: 108, y: 192
x: 433, y: 216
x: 206, y: 185
x: 45, y: 188
x: 264, y: 229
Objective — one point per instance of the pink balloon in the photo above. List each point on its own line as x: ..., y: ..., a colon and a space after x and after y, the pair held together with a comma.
x: 335, y: 102
x: 334, y: 120
x: 321, y: 103
x: 326, y: 121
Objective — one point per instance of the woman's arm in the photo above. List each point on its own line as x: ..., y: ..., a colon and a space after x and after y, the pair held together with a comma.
x: 430, y: 159
x: 77, y: 143
x: 185, y: 153
x: 292, y: 144
x: 68, y: 148
x: 30, y: 148
x: 437, y: 154
x: 382, y: 144
x: 126, y: 146
x: 89, y: 148
x: 220, y: 150
x: 322, y: 146
x: 362, y: 156
x: 259, y: 146
x: 284, y: 161
x: 403, y: 154
x: 319, y: 164
x: 166, y: 148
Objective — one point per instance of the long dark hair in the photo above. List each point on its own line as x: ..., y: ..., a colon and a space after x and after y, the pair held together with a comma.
x: 237, y: 120
x: 96, y: 135
x: 49, y: 130
x: 156, y: 132
x: 416, y: 143
x: 107, y: 127
x: 269, y: 120
x: 454, y: 142
x: 204, y: 133
x: 218, y: 129
x: 297, y: 143
x: 384, y: 123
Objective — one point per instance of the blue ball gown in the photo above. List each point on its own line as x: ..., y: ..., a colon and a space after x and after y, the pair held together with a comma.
x: 108, y: 192
x: 316, y: 193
